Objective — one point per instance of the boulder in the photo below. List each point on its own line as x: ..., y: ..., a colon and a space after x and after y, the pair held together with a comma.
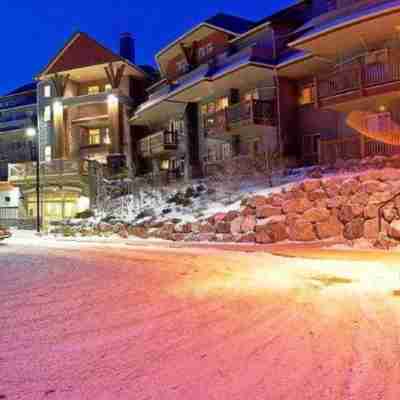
x: 277, y: 231
x: 219, y: 217
x: 346, y: 214
x: 389, y: 174
x: 187, y: 228
x: 389, y: 213
x: 371, y: 186
x: 349, y: 187
x: 370, y: 175
x: 394, y: 230
x: 268, y: 211
x: 231, y: 215
x: 236, y: 225
x: 316, y: 215
x: 371, y: 229
x: 262, y: 237
x: 354, y: 229
x: 317, y: 194
x: 223, y: 227
x: 332, y: 189
x: 257, y: 201
x: 360, y: 198
x: 371, y: 211
x: 248, y: 224
x: 178, y: 237
x: 277, y: 200
x: 336, y: 202
x: 302, y: 231
x: 207, y: 228
x: 206, y: 237
x: 296, y: 206
x: 309, y: 185
x: 329, y: 228
x: 247, y: 211
x: 246, y: 238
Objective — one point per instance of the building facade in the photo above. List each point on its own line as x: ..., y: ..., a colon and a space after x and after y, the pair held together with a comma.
x: 84, y: 97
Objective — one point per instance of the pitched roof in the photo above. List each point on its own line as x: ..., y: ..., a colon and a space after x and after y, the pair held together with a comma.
x: 230, y: 23
x: 30, y: 87
x: 82, y: 51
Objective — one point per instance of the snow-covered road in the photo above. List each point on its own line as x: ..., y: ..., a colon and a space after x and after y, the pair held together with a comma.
x: 85, y: 321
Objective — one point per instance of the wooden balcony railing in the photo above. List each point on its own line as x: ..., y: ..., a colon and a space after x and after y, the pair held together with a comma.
x: 258, y: 112
x: 356, y: 78
x: 158, y: 143
x: 27, y: 171
x: 343, y: 149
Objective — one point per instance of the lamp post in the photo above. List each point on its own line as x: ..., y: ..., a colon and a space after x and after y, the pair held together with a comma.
x: 31, y: 132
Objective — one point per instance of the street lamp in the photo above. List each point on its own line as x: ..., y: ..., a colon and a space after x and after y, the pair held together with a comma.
x: 31, y: 133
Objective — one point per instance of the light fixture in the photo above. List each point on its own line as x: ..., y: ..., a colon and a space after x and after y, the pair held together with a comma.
x: 382, y: 108
x: 397, y: 27
x: 31, y: 132
x: 57, y: 106
x: 112, y: 99
x: 107, y: 139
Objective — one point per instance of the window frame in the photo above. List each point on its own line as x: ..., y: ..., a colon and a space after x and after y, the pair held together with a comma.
x: 91, y: 136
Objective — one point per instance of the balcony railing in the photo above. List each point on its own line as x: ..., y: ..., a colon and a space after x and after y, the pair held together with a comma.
x: 158, y: 143
x: 27, y: 171
x: 258, y: 112
x: 357, y: 78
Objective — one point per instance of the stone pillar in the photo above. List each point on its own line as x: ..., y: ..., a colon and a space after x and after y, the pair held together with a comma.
x: 114, y: 108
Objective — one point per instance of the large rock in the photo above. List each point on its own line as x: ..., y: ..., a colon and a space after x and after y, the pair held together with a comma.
x: 370, y: 175
x: 223, y: 227
x: 246, y: 238
x: 389, y: 213
x: 248, y: 224
x: 277, y: 200
x: 354, y: 229
x: 257, y: 201
x: 231, y: 215
x: 268, y: 211
x: 207, y: 228
x: 329, y: 228
x: 394, y: 230
x: 220, y: 217
x: 206, y: 237
x: 236, y: 225
x: 310, y: 185
x: 371, y: 229
x: 349, y: 187
x: 296, y: 206
x: 331, y: 187
x: 380, y: 197
x: 302, y: 231
x: 263, y: 237
x: 247, y: 211
x: 389, y: 174
x: 336, y: 202
x: 316, y: 215
x: 371, y: 187
x: 371, y: 211
x: 277, y: 231
x: 317, y: 194
x: 360, y: 198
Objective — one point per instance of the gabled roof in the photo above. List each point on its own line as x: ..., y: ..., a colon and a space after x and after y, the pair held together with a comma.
x: 232, y: 23
x: 226, y: 23
x: 82, y: 51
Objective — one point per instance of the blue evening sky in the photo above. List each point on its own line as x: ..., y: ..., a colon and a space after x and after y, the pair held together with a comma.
x: 32, y: 32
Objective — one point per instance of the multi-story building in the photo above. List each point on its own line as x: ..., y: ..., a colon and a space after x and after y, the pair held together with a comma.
x: 286, y: 83
x: 18, y: 111
x: 84, y: 97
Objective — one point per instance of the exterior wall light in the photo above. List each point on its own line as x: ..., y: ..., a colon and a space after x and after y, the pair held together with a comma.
x: 58, y: 107
x: 31, y: 132
x: 112, y: 99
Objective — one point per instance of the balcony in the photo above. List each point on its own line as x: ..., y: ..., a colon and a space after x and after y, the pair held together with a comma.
x: 158, y: 143
x: 251, y: 112
x: 357, y: 81
x: 55, y: 168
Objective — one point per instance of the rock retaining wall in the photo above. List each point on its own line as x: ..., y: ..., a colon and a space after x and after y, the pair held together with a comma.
x: 316, y: 209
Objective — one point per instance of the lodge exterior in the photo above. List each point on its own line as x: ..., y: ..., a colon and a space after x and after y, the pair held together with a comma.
x: 228, y: 89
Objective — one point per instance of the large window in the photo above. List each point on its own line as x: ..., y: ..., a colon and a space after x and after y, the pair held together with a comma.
x: 47, y: 114
x: 94, y: 136
x: 47, y: 91
x: 222, y: 103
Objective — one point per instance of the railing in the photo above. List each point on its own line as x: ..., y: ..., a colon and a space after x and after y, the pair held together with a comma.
x: 216, y: 122
x: 158, y: 143
x: 256, y: 111
x: 343, y: 149
x: 356, y: 77
x: 373, y: 148
x: 26, y: 171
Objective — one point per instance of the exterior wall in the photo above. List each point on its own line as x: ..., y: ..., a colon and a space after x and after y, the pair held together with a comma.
x: 218, y: 39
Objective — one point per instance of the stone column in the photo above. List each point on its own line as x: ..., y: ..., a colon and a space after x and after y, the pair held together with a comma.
x: 59, y: 130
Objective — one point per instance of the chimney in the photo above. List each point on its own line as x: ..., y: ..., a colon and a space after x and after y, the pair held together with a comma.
x: 127, y: 46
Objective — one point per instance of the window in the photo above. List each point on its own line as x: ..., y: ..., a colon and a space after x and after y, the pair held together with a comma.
x: 94, y: 136
x: 107, y: 139
x: 206, y: 51
x: 108, y: 87
x: 47, y: 153
x: 202, y: 52
x: 93, y: 89
x: 306, y: 95
x: 47, y: 114
x: 182, y: 66
x: 209, y: 49
x: 222, y: 103
x: 47, y: 91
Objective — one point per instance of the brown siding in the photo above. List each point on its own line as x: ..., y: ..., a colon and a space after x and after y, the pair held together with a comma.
x: 220, y: 42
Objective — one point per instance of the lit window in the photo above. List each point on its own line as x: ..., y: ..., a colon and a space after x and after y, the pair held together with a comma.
x: 306, y: 95
x: 226, y: 151
x: 47, y: 91
x: 164, y: 165
x: 182, y: 66
x: 108, y: 87
x: 93, y: 89
x: 211, y: 108
x: 222, y: 103
x: 47, y: 114
x: 202, y: 52
x: 47, y: 153
x: 210, y: 49
x: 107, y: 139
x: 94, y: 136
